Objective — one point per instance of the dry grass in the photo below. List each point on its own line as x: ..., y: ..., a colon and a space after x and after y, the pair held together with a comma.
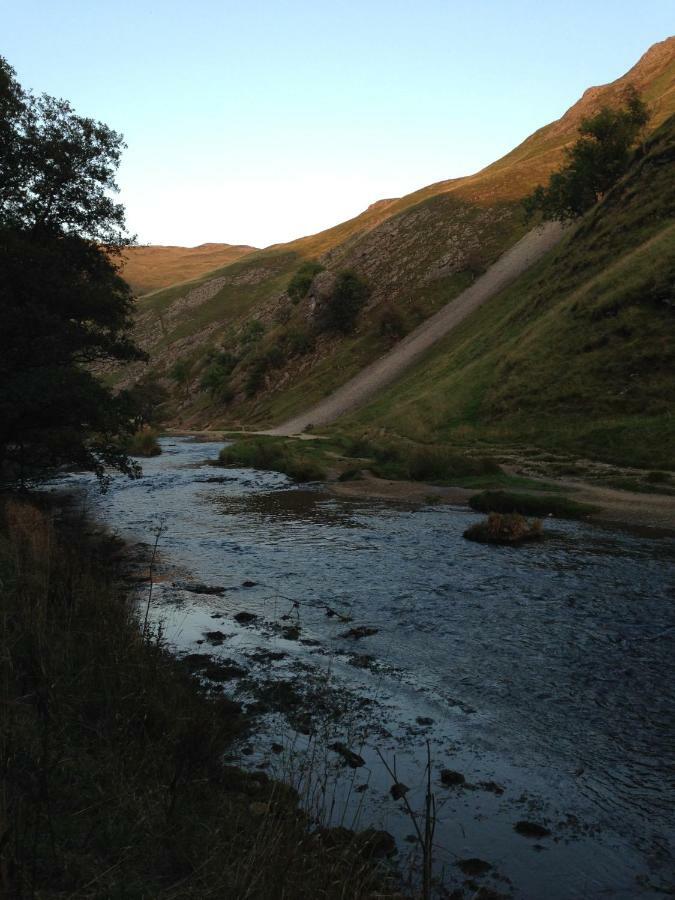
x: 505, y: 528
x: 111, y: 780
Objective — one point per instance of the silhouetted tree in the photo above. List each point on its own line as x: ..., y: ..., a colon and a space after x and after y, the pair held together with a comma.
x: 594, y: 163
x: 63, y: 304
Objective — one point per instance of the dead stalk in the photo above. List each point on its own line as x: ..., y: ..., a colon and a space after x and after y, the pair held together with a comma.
x: 158, y: 533
x: 425, y: 839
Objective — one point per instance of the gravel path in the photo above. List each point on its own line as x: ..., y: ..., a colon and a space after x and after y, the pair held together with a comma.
x: 384, y: 370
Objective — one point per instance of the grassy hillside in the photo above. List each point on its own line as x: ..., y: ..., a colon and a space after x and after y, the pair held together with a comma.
x: 577, y: 354
x: 416, y: 252
x: 151, y: 268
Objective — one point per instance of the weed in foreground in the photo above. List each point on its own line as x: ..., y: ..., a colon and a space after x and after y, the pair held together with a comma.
x: 111, y: 782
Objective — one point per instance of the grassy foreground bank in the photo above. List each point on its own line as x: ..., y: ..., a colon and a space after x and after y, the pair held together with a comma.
x: 111, y: 781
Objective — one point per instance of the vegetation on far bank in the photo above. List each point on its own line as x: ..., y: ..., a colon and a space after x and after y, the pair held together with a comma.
x: 112, y: 782
x: 143, y: 443
x: 346, y: 457
x: 272, y: 454
x: 512, y: 503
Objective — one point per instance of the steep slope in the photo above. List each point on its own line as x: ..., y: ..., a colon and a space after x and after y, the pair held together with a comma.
x: 417, y: 253
x: 578, y: 353
x: 386, y: 369
x: 151, y: 268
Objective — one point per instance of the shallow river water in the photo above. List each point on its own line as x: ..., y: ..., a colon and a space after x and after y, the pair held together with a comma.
x: 545, y: 675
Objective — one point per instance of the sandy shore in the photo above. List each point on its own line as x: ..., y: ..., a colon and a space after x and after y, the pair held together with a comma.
x: 615, y: 507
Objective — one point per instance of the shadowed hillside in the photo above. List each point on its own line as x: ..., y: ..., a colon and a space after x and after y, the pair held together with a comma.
x: 245, y: 352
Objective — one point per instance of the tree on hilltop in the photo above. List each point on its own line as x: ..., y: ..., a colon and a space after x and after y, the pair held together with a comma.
x: 594, y: 163
x: 63, y: 303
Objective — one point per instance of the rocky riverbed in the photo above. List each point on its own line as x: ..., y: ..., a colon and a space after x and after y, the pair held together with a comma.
x: 539, y: 679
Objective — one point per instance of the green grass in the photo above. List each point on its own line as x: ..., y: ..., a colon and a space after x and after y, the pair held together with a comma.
x: 530, y: 505
x: 578, y: 355
x: 274, y: 455
x: 143, y: 443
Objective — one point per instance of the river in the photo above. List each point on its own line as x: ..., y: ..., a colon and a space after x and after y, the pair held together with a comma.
x: 544, y: 674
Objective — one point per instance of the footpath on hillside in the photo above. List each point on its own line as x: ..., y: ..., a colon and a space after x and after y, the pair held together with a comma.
x: 386, y: 369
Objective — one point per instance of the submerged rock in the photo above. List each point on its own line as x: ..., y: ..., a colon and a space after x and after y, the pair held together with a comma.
x: 531, y: 829
x: 361, y: 661
x: 245, y: 618
x: 473, y: 866
x: 451, y: 778
x: 223, y: 671
x: 199, y: 588
x: 492, y: 787
x: 377, y: 844
x: 360, y: 631
x: 350, y: 757
x: 215, y: 638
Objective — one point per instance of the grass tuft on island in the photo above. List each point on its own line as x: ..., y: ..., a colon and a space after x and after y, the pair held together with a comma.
x: 112, y: 783
x: 530, y: 505
x: 505, y: 528
x: 274, y: 455
x: 143, y: 443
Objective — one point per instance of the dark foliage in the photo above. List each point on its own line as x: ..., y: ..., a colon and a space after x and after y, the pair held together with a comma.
x: 145, y: 399
x: 342, y: 308
x: 63, y: 305
x: 301, y: 281
x: 594, y: 163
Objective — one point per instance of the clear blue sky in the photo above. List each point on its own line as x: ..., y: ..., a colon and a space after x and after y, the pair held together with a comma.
x: 259, y: 122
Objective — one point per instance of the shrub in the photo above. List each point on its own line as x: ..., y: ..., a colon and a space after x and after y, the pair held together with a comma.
x: 143, y: 443
x: 273, y: 455
x: 216, y: 378
x: 342, y: 308
x: 300, y: 283
x: 298, y: 342
x: 252, y: 332
x: 504, y: 528
x: 145, y: 398
x: 271, y: 358
x: 255, y: 376
x: 657, y: 477
x: 282, y: 315
x: 180, y: 372
x: 438, y: 464
x: 390, y: 323
x: 529, y: 504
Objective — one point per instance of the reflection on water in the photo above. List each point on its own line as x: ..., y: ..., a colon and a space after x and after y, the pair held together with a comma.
x: 548, y: 669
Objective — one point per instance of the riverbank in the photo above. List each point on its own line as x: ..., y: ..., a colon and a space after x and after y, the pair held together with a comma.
x: 377, y: 468
x: 113, y: 782
x: 375, y: 626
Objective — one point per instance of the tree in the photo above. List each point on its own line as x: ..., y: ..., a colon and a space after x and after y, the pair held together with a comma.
x: 350, y: 294
x: 594, y: 163
x: 301, y: 281
x: 144, y: 399
x: 63, y: 303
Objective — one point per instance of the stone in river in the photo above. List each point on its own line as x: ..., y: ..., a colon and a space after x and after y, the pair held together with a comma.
x: 244, y: 618
x: 531, y: 829
x: 452, y: 779
x: 350, y: 757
